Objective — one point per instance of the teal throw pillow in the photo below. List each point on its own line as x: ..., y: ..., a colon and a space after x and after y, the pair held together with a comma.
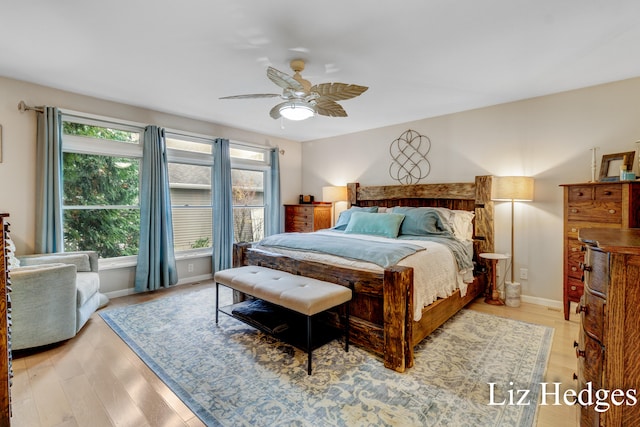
x: 378, y: 224
x: 343, y: 219
x: 423, y: 221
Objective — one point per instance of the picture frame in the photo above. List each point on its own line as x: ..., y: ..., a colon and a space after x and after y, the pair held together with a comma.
x: 611, y: 163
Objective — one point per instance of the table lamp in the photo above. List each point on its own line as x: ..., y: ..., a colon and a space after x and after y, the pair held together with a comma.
x: 333, y: 195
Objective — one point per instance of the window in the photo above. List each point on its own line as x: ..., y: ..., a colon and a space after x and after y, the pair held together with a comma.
x: 190, y: 182
x: 248, y: 204
x: 249, y: 191
x: 190, y: 178
x: 100, y: 187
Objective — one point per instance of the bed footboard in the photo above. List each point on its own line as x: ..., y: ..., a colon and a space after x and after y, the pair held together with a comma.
x: 380, y: 310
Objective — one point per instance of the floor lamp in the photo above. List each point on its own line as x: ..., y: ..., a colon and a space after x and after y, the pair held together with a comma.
x: 333, y: 195
x: 513, y: 189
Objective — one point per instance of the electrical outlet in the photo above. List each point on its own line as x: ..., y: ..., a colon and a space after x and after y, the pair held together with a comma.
x: 190, y: 268
x: 524, y: 273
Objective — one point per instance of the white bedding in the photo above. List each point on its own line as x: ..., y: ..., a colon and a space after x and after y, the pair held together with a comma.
x: 435, y: 275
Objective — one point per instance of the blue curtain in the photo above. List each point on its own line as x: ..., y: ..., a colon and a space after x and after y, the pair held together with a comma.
x: 222, y: 207
x: 156, y: 260
x: 49, y: 235
x: 274, y: 204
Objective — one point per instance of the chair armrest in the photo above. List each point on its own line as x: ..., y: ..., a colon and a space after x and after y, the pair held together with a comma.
x: 43, y: 299
x: 84, y: 260
x: 44, y: 282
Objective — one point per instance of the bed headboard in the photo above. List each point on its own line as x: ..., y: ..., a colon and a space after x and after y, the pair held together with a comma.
x: 468, y: 196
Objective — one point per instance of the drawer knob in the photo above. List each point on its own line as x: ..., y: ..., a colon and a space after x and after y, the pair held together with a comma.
x: 579, y: 353
x: 585, y: 267
x: 574, y: 268
x: 580, y: 193
x: 574, y: 230
x: 574, y: 210
x: 581, y: 309
x: 607, y: 193
x: 574, y: 287
x: 612, y: 211
x: 574, y: 249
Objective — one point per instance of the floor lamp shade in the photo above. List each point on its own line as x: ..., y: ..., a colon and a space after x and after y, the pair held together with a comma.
x: 513, y: 189
x: 516, y: 188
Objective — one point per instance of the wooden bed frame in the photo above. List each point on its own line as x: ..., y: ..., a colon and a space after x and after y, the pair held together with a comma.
x: 381, y: 311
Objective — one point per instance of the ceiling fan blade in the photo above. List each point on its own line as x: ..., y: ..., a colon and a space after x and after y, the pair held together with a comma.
x: 275, y: 111
x: 253, y: 95
x: 327, y: 107
x: 283, y: 80
x: 338, y: 91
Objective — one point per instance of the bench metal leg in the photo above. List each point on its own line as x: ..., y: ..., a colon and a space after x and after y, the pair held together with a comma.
x: 217, y: 300
x: 346, y: 330
x: 309, y: 341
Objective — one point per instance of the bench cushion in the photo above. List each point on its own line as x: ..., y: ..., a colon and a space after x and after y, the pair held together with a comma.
x: 302, y: 294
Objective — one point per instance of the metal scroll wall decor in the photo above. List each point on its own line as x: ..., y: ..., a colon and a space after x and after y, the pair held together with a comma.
x: 409, y: 162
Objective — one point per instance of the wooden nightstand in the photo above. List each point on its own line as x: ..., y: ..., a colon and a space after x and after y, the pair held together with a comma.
x: 306, y: 218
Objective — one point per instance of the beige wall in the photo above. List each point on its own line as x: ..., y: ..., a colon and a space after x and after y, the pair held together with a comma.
x: 548, y: 138
x: 17, y: 170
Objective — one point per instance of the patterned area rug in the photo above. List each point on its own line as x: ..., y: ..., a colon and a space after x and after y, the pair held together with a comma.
x: 230, y: 374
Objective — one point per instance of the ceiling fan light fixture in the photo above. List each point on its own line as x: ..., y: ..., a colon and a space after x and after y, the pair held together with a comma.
x: 297, y: 110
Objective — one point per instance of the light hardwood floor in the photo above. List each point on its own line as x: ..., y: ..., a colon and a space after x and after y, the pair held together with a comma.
x: 95, y: 380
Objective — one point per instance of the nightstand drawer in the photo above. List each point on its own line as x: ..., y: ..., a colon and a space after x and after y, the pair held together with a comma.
x: 306, y: 218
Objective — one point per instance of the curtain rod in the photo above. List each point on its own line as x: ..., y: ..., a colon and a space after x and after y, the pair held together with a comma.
x: 24, y: 107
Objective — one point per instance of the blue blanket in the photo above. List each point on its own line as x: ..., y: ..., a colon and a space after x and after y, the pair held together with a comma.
x: 384, y: 254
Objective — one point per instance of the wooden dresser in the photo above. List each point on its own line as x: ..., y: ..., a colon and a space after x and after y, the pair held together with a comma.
x: 5, y: 337
x: 594, y: 204
x: 307, y: 218
x: 608, y: 347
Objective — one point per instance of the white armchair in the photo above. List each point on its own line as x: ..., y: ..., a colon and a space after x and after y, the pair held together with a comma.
x: 53, y: 296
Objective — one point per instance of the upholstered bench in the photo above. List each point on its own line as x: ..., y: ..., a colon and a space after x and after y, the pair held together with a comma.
x: 301, y: 294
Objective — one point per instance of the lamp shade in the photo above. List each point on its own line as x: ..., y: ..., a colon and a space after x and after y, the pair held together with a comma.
x: 518, y: 188
x: 334, y: 194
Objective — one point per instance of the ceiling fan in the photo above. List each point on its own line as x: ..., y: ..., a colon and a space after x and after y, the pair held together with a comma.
x: 301, y: 99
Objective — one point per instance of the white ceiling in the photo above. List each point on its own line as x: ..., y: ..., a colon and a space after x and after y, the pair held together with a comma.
x: 420, y: 58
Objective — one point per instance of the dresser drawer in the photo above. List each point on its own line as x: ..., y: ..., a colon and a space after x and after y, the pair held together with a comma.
x: 591, y: 309
x: 596, y: 270
x: 580, y: 193
x: 575, y: 288
x: 606, y: 212
x: 590, y: 355
x: 575, y: 257
x: 608, y: 193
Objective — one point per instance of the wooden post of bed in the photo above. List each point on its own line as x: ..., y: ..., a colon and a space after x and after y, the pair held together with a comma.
x: 398, y: 318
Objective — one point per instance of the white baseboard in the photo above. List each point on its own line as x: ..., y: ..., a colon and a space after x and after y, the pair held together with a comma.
x: 542, y: 301
x: 187, y: 281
